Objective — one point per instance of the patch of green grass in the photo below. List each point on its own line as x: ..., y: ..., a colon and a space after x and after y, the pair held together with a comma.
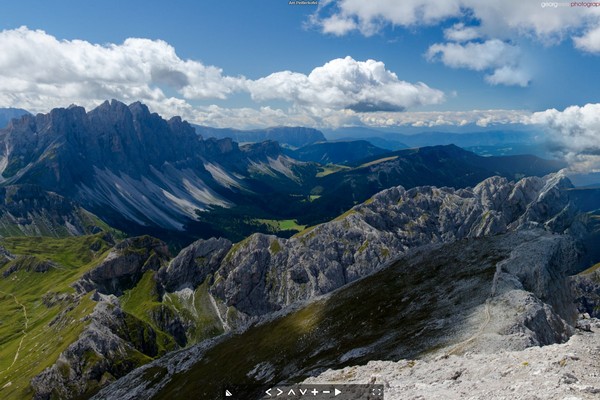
x: 198, y: 311
x: 277, y: 225
x: 331, y: 169
x: 344, y: 215
x: 140, y: 301
x: 305, y: 232
x: 364, y: 246
x: 378, y: 161
x: 275, y: 247
x: 591, y: 269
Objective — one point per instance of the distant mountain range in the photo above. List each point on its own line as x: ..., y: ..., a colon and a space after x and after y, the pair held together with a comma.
x: 290, y: 136
x: 486, y: 142
x: 340, y: 152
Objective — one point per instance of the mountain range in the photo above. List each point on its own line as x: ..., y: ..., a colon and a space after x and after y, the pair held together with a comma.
x: 139, y: 259
x: 289, y: 136
x: 143, y: 174
x: 438, y: 246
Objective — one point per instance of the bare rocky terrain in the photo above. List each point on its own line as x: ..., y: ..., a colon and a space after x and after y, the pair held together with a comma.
x: 567, y: 371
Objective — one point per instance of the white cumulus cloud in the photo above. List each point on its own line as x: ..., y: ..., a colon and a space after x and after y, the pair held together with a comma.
x: 500, y: 19
x: 39, y: 72
x: 461, y: 33
x: 589, y: 41
x: 494, y: 55
x: 575, y: 132
x: 345, y: 83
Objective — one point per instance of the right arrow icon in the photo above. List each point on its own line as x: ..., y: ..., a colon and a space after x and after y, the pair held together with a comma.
x: 336, y: 392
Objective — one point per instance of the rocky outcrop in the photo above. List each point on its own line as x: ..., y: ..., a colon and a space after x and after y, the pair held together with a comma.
x: 586, y: 286
x: 112, y: 344
x: 265, y: 273
x: 467, y: 256
x: 5, y: 256
x: 193, y: 264
x: 29, y: 264
x: 560, y: 371
x: 125, y: 265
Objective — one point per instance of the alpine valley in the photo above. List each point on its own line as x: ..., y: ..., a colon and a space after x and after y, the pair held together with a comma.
x: 144, y: 258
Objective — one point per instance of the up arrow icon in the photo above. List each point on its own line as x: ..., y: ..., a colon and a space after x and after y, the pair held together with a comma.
x: 291, y: 392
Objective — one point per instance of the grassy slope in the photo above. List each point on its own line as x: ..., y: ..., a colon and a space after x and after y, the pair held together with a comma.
x: 40, y: 335
x: 38, y: 344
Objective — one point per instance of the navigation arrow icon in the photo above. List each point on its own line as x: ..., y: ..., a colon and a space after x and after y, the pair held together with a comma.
x: 279, y: 392
x: 336, y: 392
x: 268, y: 392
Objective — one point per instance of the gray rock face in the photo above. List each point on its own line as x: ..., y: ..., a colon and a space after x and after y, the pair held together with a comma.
x: 110, y: 346
x: 28, y: 263
x: 194, y: 263
x: 587, y: 291
x: 7, y: 114
x: 264, y: 273
x: 560, y: 371
x: 125, y: 265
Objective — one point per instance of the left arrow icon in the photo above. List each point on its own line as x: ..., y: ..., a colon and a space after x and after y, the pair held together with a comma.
x: 268, y: 392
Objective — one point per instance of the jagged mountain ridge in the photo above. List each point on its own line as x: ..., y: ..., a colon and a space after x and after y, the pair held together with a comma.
x: 264, y: 273
x: 124, y: 162
x: 143, y: 174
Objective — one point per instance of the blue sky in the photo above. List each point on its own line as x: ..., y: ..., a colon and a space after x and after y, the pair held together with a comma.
x: 538, y: 64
